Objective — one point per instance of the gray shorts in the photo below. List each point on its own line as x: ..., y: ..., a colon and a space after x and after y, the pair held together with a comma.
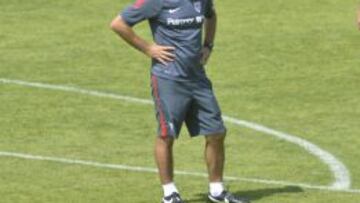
x: 193, y: 102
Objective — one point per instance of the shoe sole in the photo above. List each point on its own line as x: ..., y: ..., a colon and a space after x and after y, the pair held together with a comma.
x: 162, y: 201
x: 215, y: 200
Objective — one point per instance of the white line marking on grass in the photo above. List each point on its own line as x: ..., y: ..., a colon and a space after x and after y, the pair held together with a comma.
x: 76, y: 90
x: 339, y: 170
x: 341, y: 174
x: 153, y: 170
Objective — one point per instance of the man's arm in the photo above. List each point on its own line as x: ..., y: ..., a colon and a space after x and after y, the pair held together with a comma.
x: 210, y: 31
x: 161, y: 53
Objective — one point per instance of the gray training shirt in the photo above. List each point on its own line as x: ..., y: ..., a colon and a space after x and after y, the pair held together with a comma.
x: 176, y: 23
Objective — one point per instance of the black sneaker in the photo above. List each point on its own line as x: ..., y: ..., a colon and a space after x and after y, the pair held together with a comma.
x: 173, y: 198
x: 227, y: 197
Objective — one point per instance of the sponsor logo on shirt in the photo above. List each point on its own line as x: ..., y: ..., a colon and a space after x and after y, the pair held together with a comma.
x: 185, y: 21
x: 174, y: 10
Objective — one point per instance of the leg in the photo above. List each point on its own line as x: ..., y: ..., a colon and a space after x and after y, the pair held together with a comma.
x: 215, y: 156
x: 170, y: 114
x: 215, y: 159
x: 205, y: 117
x: 164, y: 159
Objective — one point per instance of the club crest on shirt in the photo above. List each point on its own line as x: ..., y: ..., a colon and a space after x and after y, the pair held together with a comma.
x: 197, y: 6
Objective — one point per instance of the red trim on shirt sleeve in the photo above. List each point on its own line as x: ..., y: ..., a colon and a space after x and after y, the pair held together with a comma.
x: 138, y: 4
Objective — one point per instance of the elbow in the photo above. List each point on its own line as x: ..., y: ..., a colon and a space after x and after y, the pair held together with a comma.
x: 117, y: 23
x: 113, y: 24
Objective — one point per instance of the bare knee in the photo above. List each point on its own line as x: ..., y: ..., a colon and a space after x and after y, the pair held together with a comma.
x: 216, y: 138
x: 164, y: 142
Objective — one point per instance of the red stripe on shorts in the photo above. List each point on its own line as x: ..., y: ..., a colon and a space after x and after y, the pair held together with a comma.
x: 138, y: 4
x: 164, y: 131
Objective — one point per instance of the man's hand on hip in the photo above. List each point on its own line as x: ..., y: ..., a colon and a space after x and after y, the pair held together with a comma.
x: 163, y: 54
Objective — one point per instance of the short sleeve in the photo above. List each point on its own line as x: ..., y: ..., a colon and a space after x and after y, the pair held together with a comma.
x: 141, y: 10
x: 209, y: 10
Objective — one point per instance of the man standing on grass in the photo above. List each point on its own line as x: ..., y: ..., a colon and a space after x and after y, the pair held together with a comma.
x: 180, y: 88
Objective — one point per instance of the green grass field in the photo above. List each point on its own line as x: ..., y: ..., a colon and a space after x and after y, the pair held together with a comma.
x: 293, y: 66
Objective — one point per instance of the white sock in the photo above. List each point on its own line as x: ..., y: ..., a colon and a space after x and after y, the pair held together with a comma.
x: 216, y: 188
x: 169, y: 189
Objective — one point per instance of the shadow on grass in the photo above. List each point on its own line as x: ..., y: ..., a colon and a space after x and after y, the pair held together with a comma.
x: 252, y: 194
